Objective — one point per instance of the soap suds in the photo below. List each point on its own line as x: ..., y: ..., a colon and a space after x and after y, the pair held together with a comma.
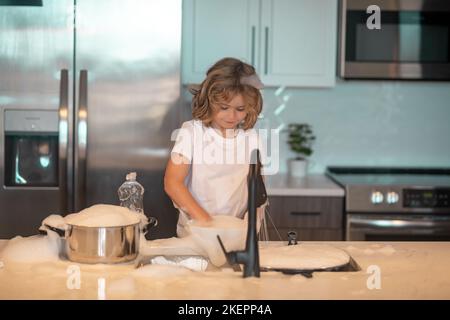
x: 55, y: 221
x: 303, y: 256
x: 192, y: 263
x: 232, y: 232
x: 31, y: 249
x: 404, y: 276
x: 177, y: 246
x: 103, y: 215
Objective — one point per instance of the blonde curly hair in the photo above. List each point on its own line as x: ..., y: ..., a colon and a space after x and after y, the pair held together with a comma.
x: 223, y: 81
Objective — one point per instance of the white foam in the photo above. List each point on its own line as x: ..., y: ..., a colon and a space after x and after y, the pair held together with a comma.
x: 32, y: 249
x: 103, y: 215
x: 232, y: 232
x: 171, y: 246
x: 55, y: 221
x: 192, y: 263
x: 303, y: 256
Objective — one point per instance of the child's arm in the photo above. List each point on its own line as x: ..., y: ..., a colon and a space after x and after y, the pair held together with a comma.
x: 178, y: 192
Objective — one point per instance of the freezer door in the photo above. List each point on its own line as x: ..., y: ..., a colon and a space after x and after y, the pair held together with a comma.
x: 36, y: 52
x: 127, y: 60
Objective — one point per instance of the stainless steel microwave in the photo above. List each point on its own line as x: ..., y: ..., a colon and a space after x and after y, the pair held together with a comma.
x: 394, y: 39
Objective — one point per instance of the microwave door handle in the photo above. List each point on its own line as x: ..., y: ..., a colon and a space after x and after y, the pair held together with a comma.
x: 266, y: 50
x: 81, y: 134
x: 342, y: 34
x: 400, y: 224
x: 253, y: 49
x: 63, y: 138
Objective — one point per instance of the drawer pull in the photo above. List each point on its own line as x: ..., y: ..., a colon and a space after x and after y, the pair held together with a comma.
x: 308, y: 213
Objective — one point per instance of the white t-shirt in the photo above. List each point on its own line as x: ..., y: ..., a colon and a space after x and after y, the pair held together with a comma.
x: 217, y: 177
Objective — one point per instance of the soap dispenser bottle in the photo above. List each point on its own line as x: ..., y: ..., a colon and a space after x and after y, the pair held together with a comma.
x: 131, y: 194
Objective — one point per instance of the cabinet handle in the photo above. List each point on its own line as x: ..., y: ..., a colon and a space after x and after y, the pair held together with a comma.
x: 309, y: 213
x: 266, y: 49
x: 253, y: 45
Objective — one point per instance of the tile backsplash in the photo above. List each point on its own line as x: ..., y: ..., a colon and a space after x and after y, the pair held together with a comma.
x: 366, y: 123
x: 363, y: 123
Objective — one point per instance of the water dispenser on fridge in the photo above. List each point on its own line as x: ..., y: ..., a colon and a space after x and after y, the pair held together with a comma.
x: 31, y: 148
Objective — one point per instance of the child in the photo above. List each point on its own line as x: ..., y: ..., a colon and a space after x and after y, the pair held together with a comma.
x: 207, y: 172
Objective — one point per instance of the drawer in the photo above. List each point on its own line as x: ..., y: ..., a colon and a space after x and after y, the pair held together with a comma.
x: 307, y: 212
x: 316, y: 234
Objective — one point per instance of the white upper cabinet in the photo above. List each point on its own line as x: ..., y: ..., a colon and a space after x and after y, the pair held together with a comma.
x: 290, y: 42
x: 298, y: 46
x: 214, y: 29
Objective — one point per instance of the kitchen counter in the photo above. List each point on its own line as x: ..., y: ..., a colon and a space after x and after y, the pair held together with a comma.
x: 395, y: 270
x: 311, y: 185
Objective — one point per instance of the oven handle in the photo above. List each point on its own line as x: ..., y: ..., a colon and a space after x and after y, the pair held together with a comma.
x: 403, y: 223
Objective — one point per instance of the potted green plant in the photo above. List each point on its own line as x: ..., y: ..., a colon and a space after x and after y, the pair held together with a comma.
x: 300, y: 139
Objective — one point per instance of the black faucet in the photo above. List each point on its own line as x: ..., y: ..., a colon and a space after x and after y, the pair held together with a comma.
x: 250, y: 256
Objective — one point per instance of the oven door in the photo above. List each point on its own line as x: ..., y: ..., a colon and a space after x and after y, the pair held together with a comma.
x: 391, y: 227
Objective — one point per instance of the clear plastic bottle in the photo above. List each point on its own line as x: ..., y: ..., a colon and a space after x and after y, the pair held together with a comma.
x: 131, y: 194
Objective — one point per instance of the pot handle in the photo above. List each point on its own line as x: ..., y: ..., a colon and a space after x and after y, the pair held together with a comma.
x: 60, y: 232
x: 152, y: 222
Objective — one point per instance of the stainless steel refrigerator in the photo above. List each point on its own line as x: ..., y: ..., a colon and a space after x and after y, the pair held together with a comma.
x: 89, y: 91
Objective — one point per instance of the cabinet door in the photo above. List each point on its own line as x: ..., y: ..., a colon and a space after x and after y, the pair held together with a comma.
x: 313, y: 218
x: 214, y: 29
x: 298, y: 42
x: 305, y: 234
x: 307, y: 212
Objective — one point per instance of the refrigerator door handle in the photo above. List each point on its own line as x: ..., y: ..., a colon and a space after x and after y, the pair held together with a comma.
x: 81, y: 134
x: 63, y: 128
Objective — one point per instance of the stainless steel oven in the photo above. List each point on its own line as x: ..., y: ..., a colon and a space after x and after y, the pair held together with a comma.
x: 392, y: 227
x: 395, y: 39
x: 395, y: 204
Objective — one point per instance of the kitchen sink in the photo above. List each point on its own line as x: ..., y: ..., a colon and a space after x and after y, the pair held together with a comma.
x: 202, y: 264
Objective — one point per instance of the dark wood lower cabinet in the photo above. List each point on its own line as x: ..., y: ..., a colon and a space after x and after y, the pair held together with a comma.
x: 313, y: 218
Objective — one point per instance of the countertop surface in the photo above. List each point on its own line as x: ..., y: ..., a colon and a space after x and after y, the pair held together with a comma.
x: 389, y: 270
x: 311, y: 185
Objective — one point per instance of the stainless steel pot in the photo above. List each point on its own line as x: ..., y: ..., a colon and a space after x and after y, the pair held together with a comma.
x: 102, y: 244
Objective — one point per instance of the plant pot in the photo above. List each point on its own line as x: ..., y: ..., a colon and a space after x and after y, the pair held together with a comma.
x: 297, y: 167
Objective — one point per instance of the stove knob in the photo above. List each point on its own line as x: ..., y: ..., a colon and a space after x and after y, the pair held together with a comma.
x: 392, y: 197
x: 376, y: 197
